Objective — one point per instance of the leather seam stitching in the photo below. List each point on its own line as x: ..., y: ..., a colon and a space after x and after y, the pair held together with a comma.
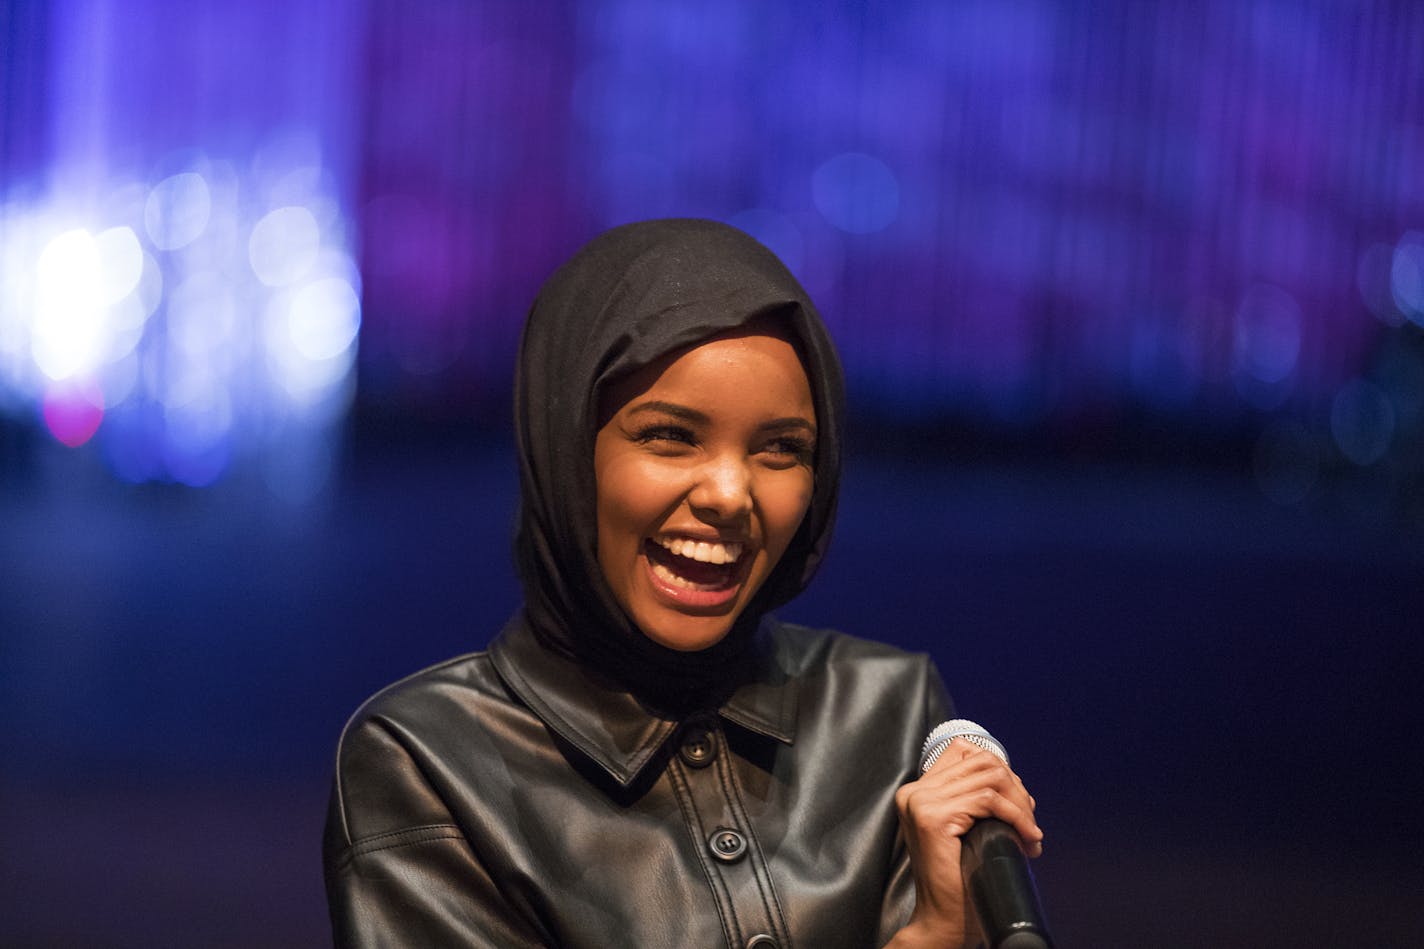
x: 423, y: 829
x: 770, y: 902
x: 416, y: 837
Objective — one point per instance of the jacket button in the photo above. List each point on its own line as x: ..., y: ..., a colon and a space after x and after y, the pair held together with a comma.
x: 727, y: 845
x: 699, y: 747
x: 761, y: 941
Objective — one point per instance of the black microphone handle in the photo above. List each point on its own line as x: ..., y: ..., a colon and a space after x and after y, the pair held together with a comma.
x: 1001, y: 886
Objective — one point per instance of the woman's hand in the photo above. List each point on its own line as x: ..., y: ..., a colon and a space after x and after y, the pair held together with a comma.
x: 965, y: 784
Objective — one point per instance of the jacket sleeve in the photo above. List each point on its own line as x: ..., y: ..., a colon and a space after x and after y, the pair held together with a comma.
x: 935, y: 706
x: 399, y: 871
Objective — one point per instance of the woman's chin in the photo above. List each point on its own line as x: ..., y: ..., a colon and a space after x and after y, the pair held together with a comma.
x: 686, y: 633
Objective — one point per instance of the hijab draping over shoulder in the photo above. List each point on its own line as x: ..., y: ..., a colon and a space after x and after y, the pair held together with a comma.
x: 631, y: 295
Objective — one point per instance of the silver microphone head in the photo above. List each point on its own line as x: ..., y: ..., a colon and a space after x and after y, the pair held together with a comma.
x: 946, y: 732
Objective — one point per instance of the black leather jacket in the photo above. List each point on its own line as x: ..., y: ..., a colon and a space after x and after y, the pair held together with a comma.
x: 506, y: 798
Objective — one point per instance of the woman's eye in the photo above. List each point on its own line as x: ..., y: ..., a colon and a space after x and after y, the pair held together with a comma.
x: 791, y: 448
x: 670, y: 435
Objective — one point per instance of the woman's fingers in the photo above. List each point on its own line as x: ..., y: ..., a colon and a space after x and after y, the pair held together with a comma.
x: 966, y: 784
x: 953, y: 809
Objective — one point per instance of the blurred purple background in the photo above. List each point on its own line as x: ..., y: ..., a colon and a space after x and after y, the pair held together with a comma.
x: 1131, y: 301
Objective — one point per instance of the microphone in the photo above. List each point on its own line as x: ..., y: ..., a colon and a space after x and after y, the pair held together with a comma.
x: 992, y: 858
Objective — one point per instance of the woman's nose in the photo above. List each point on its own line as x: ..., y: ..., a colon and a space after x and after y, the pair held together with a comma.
x: 723, y: 490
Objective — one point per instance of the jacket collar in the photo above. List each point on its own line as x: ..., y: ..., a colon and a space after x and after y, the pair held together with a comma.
x: 608, y: 724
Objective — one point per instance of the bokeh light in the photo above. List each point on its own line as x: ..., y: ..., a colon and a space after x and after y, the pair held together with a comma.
x: 995, y: 231
x: 68, y: 312
x: 120, y: 262
x: 148, y: 329
x: 178, y: 210
x: 324, y: 318
x: 73, y: 411
x: 1374, y: 277
x: 203, y: 320
x: 1266, y: 345
x: 1406, y: 279
x: 1362, y: 420
x: 284, y: 245
x: 857, y: 193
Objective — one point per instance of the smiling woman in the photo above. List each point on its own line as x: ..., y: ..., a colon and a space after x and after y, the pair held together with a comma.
x: 704, y: 475
x: 644, y: 756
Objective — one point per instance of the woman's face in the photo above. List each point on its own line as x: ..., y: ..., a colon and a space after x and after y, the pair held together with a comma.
x: 704, y: 472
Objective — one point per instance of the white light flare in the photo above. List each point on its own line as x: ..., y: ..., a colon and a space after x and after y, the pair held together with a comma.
x: 178, y: 210
x: 121, y: 263
x: 324, y: 319
x: 284, y: 246
x: 309, y: 336
x: 66, y: 336
x: 86, y: 312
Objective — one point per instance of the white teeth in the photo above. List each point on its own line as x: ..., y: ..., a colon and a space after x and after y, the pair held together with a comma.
x: 680, y: 582
x: 701, y: 550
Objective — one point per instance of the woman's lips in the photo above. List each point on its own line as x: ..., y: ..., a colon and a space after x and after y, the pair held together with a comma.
x: 692, y: 583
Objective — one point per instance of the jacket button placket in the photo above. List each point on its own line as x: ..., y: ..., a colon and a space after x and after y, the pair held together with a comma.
x: 741, y: 881
x: 727, y: 846
x: 699, y: 745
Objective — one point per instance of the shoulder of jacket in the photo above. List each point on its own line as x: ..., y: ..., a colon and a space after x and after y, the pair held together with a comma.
x: 410, y: 697
x: 803, y: 647
x: 378, y: 756
x: 469, y: 671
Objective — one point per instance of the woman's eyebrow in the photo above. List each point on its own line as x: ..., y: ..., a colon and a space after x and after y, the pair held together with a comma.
x: 791, y: 421
x: 671, y: 408
x: 697, y: 417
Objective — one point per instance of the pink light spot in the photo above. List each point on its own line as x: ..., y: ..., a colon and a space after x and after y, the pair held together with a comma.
x: 73, y: 410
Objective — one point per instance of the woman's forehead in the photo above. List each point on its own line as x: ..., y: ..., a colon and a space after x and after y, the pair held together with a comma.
x: 717, y: 361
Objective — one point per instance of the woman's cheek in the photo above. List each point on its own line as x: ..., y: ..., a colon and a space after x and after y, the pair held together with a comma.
x: 793, y: 501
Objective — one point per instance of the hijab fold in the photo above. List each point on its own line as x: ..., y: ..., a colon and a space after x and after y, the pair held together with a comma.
x: 628, y: 297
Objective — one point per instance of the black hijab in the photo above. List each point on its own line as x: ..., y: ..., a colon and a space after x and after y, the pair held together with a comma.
x: 626, y: 298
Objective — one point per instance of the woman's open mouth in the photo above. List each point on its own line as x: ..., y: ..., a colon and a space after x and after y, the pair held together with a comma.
x: 696, y: 573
